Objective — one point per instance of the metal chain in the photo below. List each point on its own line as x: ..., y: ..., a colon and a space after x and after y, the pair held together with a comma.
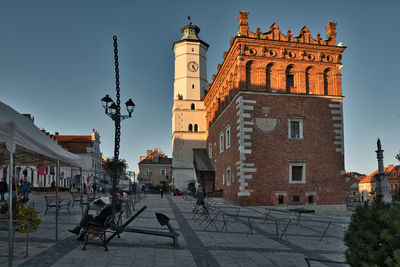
x: 117, y: 120
x: 118, y: 113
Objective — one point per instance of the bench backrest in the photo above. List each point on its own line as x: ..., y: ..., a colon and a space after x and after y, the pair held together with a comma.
x: 76, y: 195
x: 51, y: 198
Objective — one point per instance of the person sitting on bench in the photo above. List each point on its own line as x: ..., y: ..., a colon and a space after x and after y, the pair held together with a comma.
x: 98, y: 219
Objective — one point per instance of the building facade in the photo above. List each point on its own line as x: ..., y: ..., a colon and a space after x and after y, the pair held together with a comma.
x: 87, y: 146
x: 188, y: 113
x: 155, y: 168
x: 274, y: 118
x: 367, y: 185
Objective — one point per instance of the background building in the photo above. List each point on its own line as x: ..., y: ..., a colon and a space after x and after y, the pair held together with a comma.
x: 275, y: 119
x: 155, y: 168
x: 89, y: 147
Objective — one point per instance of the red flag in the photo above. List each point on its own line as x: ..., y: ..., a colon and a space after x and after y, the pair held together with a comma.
x: 87, y: 179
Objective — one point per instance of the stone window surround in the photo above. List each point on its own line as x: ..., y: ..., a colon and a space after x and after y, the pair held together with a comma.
x: 303, y: 176
x: 296, y: 119
x: 221, y: 141
x: 227, y: 136
x: 228, y: 172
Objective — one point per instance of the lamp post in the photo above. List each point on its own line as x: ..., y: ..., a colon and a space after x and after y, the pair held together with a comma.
x: 113, y: 110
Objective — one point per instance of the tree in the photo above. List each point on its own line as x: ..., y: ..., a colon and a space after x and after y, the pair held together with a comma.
x: 373, y: 236
x: 108, y: 167
x: 397, y: 156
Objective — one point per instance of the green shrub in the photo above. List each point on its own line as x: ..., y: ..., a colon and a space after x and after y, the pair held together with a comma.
x: 192, y: 187
x: 373, y: 236
x: 23, y: 212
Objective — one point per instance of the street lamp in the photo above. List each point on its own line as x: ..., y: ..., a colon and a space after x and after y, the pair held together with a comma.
x: 113, y: 110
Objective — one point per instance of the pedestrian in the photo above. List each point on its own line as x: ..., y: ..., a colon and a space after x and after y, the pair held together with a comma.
x: 84, y: 188
x: 162, y: 191
x: 201, y: 194
x: 144, y: 191
x: 98, y: 219
x: 94, y: 186
x: 26, y: 188
x: 3, y: 189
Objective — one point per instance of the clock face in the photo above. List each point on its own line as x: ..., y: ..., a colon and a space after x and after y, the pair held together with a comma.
x: 193, y: 66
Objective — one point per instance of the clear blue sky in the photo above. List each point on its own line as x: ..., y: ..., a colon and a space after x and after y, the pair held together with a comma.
x: 56, y: 62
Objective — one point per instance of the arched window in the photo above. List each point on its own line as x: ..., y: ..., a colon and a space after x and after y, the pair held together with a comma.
x: 190, y: 128
x: 249, y: 66
x: 192, y: 106
x: 326, y: 81
x: 289, y: 78
x: 308, y: 70
x: 268, y: 76
x: 196, y: 128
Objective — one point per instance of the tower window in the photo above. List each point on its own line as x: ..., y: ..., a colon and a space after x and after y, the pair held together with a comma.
x: 192, y: 106
x: 326, y: 82
x: 308, y: 80
x: 248, y: 73
x: 190, y: 128
x: 268, y: 76
x: 192, y: 86
x: 196, y: 128
x: 289, y: 78
x: 192, y: 49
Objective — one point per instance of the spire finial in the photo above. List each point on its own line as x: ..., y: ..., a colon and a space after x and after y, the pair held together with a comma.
x: 190, y: 20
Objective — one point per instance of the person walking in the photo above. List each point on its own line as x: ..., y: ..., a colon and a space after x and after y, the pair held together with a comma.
x: 26, y: 189
x: 3, y: 189
x: 162, y: 190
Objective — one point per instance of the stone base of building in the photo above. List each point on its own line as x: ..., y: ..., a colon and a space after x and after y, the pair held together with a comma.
x: 182, y: 177
x: 338, y: 209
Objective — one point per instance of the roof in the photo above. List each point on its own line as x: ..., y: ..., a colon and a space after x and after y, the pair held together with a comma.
x: 370, y: 178
x: 75, y: 143
x: 161, y: 160
x: 202, y: 160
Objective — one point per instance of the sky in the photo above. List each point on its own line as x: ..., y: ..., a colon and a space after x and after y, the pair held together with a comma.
x: 57, y: 62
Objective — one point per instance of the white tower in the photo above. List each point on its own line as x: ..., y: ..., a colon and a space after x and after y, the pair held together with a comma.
x: 188, y: 113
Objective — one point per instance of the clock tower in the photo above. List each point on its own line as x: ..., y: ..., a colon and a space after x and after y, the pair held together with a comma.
x: 188, y: 113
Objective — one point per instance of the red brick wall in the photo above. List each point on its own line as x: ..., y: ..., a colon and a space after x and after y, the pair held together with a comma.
x: 271, y: 152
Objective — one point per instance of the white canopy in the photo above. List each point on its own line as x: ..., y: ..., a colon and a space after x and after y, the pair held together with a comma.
x: 30, y: 145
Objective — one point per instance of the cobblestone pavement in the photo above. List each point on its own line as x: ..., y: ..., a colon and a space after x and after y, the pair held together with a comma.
x: 266, y: 243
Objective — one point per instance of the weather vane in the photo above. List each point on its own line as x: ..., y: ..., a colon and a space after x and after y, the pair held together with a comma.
x: 190, y: 20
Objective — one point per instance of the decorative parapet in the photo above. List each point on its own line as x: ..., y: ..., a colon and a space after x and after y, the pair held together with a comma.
x: 274, y: 33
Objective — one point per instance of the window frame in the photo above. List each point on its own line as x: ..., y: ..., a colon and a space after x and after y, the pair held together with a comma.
x: 300, y: 121
x: 303, y: 174
x: 221, y: 141
x: 210, y: 150
x: 165, y: 172
x: 228, y: 136
x: 228, y: 173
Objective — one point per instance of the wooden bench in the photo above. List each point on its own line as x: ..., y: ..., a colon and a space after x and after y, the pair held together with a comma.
x: 51, y: 203
x: 76, y: 197
x: 100, y: 230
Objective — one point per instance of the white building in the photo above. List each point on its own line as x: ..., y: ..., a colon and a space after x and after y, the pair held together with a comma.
x: 188, y: 113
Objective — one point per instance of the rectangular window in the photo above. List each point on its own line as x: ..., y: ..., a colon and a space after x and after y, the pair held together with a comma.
x: 228, y: 175
x: 228, y: 136
x: 209, y: 150
x: 223, y: 178
x: 221, y: 142
x: 163, y: 172
x: 296, y: 198
x: 295, y: 128
x: 297, y: 173
x: 280, y: 199
x: 310, y: 199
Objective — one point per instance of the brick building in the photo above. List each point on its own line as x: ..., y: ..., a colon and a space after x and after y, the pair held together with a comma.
x: 275, y: 121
